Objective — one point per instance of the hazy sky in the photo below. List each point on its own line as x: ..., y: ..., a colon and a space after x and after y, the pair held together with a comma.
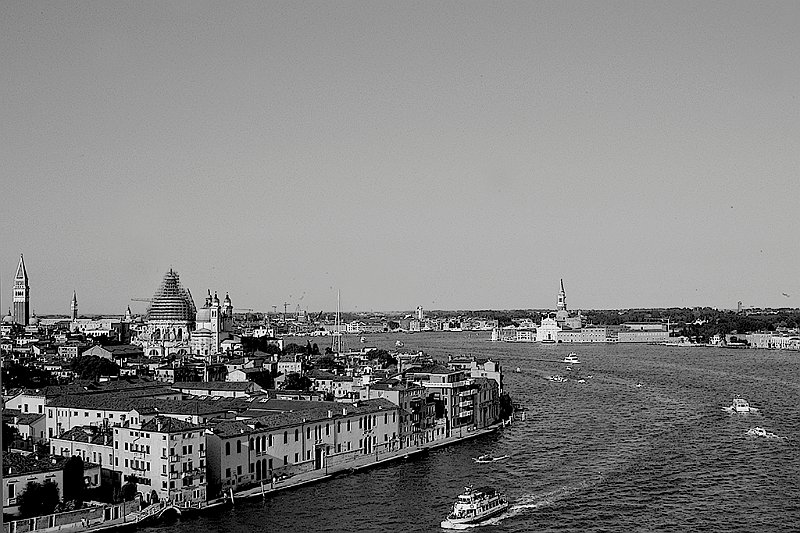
x: 453, y: 155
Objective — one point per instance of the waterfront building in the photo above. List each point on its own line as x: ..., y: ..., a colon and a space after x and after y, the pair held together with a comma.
x: 452, y: 389
x: 583, y: 335
x: 165, y: 457
x: 478, y: 368
x: 22, y: 295
x: 313, y: 437
x: 643, y: 335
x: 548, y: 330
x: 417, y: 411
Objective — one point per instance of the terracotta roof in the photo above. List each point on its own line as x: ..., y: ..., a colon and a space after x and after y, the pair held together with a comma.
x: 15, y: 464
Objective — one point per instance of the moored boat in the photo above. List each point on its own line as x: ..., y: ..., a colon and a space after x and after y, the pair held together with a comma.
x: 475, y: 505
x: 571, y: 359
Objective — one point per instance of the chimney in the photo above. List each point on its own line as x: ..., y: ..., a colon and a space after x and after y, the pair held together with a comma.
x: 344, y: 411
x: 330, y: 413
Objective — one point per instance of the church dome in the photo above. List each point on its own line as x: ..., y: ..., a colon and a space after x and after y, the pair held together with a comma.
x: 8, y: 319
x: 34, y: 321
x: 172, y: 302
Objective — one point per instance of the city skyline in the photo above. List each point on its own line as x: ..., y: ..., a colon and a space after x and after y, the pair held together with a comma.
x: 448, y: 155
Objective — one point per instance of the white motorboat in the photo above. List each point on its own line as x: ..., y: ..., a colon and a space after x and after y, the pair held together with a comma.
x: 399, y: 344
x: 475, y: 505
x: 761, y: 432
x: 571, y: 359
x: 740, y: 405
x: 518, y: 370
x: 489, y: 458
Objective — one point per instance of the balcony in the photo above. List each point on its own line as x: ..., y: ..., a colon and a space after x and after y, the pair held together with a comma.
x: 466, y: 403
x: 174, y: 458
x: 202, y: 453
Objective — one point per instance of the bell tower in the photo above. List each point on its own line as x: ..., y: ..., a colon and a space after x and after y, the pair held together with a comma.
x: 22, y: 294
x: 561, y: 305
x: 73, y: 306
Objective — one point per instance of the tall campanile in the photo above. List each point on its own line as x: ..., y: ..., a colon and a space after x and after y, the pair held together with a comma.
x: 561, y: 304
x: 22, y: 295
x: 73, y: 306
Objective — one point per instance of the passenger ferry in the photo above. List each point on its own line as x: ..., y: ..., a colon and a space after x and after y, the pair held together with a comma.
x: 474, y: 506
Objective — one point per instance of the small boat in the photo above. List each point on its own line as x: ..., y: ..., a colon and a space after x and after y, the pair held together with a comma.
x: 639, y: 385
x: 475, y: 505
x: 363, y: 339
x: 740, y: 405
x: 489, y: 458
x: 763, y: 433
x: 572, y: 359
x: 399, y: 344
x: 518, y: 370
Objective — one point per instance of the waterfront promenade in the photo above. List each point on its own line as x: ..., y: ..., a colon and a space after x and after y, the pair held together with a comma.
x: 361, y: 463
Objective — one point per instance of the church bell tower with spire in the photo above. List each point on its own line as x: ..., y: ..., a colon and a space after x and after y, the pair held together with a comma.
x: 22, y: 295
x: 73, y: 306
x: 561, y: 305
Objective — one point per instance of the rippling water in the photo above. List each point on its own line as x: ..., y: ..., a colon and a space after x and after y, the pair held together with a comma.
x: 604, y: 455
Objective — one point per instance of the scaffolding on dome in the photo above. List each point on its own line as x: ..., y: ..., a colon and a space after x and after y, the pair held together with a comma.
x: 172, y: 302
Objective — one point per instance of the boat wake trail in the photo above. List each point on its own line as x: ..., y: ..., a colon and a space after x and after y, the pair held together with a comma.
x: 526, y: 503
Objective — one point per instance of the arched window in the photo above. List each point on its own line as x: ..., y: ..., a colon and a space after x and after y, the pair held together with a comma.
x: 296, y: 435
x: 308, y: 433
x: 258, y: 445
x: 251, y: 444
x: 264, y: 442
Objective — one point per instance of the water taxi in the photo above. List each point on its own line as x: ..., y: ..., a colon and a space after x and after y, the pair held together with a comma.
x: 740, y: 405
x: 475, y: 505
x: 571, y: 359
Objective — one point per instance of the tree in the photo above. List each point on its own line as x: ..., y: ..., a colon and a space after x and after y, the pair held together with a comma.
x: 295, y: 381
x: 10, y: 434
x: 38, y: 499
x: 74, y: 485
x: 129, y: 490
x: 92, y: 367
x: 384, y: 358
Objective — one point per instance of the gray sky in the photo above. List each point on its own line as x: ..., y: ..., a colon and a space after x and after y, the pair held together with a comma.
x: 444, y: 154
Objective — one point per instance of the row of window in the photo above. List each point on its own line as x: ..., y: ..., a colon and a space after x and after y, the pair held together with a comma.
x: 259, y: 444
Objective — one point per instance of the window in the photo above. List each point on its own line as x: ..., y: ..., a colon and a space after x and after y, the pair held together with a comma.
x: 126, y: 446
x: 338, y: 427
x: 348, y: 425
x: 228, y: 450
x: 296, y: 435
x: 238, y: 446
x: 296, y: 457
x: 227, y: 472
x: 327, y: 430
x: 285, y: 437
x: 308, y: 433
x: 386, y: 418
x: 285, y: 460
x: 190, y: 448
x: 270, y: 440
x: 239, y: 470
x: 11, y: 490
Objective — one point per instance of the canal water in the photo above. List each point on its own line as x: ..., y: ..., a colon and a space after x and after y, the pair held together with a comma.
x: 642, y: 444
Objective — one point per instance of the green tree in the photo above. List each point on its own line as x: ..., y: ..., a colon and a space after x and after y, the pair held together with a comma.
x: 382, y: 357
x: 92, y: 367
x: 295, y: 381
x: 38, y: 499
x: 10, y: 434
x: 74, y: 485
